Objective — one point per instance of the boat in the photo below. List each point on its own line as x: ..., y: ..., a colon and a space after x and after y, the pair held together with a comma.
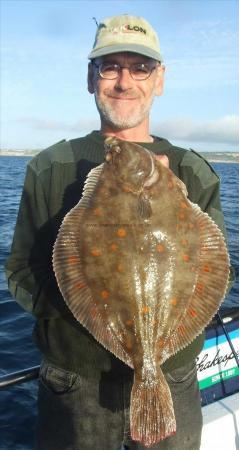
x: 218, y: 376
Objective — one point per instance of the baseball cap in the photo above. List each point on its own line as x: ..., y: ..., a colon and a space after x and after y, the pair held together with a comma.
x: 126, y: 33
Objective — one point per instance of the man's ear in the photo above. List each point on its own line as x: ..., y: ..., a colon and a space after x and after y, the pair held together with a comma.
x: 160, y: 80
x: 90, y: 79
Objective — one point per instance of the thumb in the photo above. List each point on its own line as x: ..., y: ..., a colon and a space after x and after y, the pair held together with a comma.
x: 163, y: 159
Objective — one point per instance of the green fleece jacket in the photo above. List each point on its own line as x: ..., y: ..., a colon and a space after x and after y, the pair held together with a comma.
x: 53, y: 185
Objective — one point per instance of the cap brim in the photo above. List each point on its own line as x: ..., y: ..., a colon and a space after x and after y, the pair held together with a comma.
x: 134, y: 48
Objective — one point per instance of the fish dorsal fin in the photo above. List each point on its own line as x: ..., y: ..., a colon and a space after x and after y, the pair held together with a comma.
x: 69, y: 271
x: 90, y: 185
x: 210, y: 286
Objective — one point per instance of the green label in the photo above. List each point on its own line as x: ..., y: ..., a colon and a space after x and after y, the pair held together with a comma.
x: 217, y: 378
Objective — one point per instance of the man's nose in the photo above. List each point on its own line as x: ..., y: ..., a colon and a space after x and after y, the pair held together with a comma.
x: 124, y: 79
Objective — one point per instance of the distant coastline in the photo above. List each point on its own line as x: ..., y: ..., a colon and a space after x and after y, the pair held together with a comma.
x: 25, y: 152
x: 221, y: 157
x: 216, y: 157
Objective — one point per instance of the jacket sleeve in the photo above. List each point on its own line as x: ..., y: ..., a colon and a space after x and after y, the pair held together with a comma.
x: 203, y: 185
x: 29, y: 267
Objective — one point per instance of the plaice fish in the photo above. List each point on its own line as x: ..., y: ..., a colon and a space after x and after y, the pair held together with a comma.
x: 144, y: 270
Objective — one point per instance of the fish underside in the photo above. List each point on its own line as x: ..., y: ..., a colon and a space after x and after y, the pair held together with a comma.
x: 144, y: 270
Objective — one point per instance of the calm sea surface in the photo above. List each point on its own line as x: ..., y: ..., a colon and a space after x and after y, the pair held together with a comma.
x: 18, y: 404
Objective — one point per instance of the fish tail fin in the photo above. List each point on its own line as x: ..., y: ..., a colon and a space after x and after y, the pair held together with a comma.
x: 151, y: 411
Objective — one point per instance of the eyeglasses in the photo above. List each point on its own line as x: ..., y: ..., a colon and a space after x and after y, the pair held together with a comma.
x: 138, y: 71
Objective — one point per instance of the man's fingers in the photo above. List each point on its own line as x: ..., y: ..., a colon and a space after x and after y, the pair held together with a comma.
x: 163, y: 159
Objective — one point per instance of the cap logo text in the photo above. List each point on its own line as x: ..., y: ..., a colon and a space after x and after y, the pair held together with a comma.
x: 127, y: 29
x: 136, y: 28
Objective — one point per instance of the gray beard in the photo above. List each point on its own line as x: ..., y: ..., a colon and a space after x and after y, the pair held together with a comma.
x: 110, y: 117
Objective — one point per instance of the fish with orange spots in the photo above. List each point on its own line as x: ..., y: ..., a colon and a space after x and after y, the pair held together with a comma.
x: 144, y: 270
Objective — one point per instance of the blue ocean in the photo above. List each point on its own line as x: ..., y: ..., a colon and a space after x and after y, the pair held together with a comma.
x: 18, y: 403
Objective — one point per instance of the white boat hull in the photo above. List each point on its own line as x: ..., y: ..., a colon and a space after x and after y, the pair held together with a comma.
x: 221, y: 424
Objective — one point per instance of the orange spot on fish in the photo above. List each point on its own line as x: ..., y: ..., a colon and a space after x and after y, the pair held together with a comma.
x: 102, y: 191
x: 114, y: 247
x: 120, y: 268
x: 128, y: 344
x: 160, y: 248
x: 129, y: 322
x: 184, y: 242
x: 72, y: 260
x: 181, y: 215
x: 95, y: 252
x: 80, y: 285
x: 170, y: 185
x: 181, y: 329
x: 183, y: 205
x: 127, y: 189
x: 174, y: 301
x: 185, y: 258
x: 191, y: 226
x: 199, y: 287
x: 104, y: 294
x: 145, y: 310
x: 206, y: 268
x: 192, y: 312
x: 97, y: 212
x: 93, y: 312
x: 121, y: 232
x: 161, y: 342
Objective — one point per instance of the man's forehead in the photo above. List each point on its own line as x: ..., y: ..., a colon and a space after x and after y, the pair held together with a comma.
x: 124, y: 56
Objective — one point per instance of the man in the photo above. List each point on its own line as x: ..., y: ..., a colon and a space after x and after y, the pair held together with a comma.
x: 84, y: 390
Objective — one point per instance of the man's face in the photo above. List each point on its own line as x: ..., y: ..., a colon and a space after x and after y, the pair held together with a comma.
x: 123, y: 102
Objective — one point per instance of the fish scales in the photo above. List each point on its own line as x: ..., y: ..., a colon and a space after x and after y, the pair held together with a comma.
x: 144, y: 270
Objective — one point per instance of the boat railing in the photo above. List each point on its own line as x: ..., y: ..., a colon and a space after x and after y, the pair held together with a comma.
x: 32, y: 373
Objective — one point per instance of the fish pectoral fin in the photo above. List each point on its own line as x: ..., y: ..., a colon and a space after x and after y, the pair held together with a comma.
x: 144, y: 207
x: 152, y: 416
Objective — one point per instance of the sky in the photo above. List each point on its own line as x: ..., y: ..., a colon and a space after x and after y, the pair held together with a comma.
x: 44, y: 49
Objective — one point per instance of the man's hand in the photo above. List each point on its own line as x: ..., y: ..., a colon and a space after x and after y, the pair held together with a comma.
x: 163, y: 159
